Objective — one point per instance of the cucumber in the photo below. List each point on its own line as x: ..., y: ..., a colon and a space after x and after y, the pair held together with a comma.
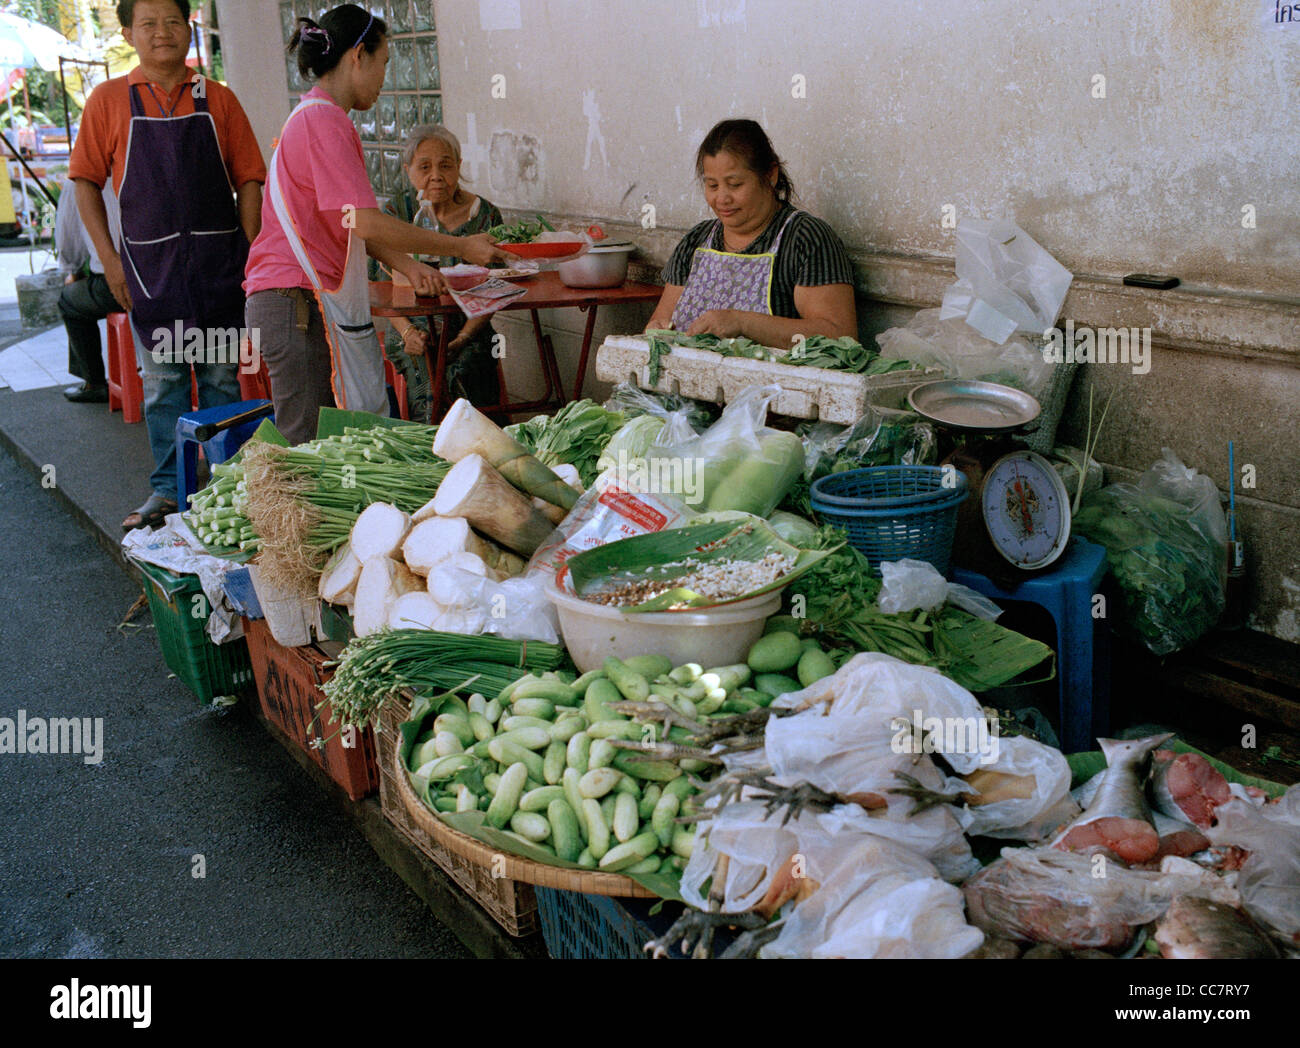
x: 627, y: 784
x: 445, y: 743
x: 516, y: 720
x: 649, y: 666
x: 607, y: 803
x: 543, y: 708
x: 492, y: 781
x: 597, y: 828
x: 628, y: 730
x: 445, y: 804
x: 476, y: 704
x: 482, y: 750
x: 578, y: 752
x: 509, y: 753
x: 586, y: 860
x: 492, y: 711
x: 649, y: 798
x: 774, y: 653
x: 546, y: 848
x: 814, y: 664
x: 775, y: 684
x: 454, y: 722
x: 455, y: 705
x: 446, y: 767
x: 650, y: 865
x: 538, y: 799
x: 466, y: 800
x: 507, y: 796
x: 602, y: 754
x: 531, y: 825
x: 553, y: 763
x: 575, y: 799
x: 481, y: 727
x: 638, y: 849
x: 630, y: 684
x: 680, y: 788
x: 565, y: 833
x: 557, y: 693
x: 653, y: 771
x: 759, y: 698
x: 625, y: 818
x: 739, y: 705
x: 528, y: 738
x: 731, y: 677
x: 686, y: 673
x: 424, y: 753
x: 567, y: 727
x: 661, y: 820
x: 582, y: 683
x: 595, y: 704
x: 598, y: 782
x: 683, y: 842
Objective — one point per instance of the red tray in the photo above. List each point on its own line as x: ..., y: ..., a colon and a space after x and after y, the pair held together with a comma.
x: 546, y: 249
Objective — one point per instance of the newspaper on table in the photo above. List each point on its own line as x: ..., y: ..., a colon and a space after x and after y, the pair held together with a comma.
x: 175, y: 547
x: 486, y: 298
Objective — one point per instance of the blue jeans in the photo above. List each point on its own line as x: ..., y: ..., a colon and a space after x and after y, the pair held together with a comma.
x: 167, y: 397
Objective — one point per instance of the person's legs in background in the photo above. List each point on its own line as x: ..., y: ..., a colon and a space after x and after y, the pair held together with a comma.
x: 83, y: 304
x: 297, y: 355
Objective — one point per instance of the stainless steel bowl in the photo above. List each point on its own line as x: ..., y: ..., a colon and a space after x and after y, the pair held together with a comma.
x: 604, y: 265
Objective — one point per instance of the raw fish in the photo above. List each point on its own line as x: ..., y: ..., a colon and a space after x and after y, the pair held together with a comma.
x: 1117, y: 819
x: 1196, y: 929
x: 1186, y: 786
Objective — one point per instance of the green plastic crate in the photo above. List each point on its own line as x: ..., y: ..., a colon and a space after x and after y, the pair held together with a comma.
x: 208, y: 669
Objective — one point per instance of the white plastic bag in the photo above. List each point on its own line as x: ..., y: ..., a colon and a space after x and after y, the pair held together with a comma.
x: 1270, y: 878
x: 963, y: 352
x: 912, y: 584
x: 1006, y: 281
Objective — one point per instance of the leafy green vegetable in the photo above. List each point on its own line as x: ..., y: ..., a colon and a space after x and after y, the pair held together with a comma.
x: 1166, y: 569
x: 839, y: 605
x: 523, y: 232
x: 818, y: 351
x: 576, y: 434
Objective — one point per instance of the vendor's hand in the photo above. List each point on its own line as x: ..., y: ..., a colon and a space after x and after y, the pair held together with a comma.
x: 725, y: 323
x: 415, y: 341
x: 115, y: 274
x: 480, y: 250
x: 456, y: 345
x: 426, y: 280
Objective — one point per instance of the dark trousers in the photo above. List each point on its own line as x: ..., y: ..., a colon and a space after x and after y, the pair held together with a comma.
x: 297, y: 356
x: 83, y: 305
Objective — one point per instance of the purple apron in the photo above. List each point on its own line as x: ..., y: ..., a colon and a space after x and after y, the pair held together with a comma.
x: 727, y: 280
x: 182, y: 245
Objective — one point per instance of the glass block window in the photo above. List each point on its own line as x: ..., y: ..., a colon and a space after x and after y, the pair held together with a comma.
x: 412, y: 89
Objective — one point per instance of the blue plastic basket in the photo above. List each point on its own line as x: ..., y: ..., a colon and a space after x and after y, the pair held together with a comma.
x: 895, y: 512
x: 589, y: 927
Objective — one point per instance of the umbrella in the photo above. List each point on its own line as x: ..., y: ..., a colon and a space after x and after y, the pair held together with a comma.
x: 24, y: 44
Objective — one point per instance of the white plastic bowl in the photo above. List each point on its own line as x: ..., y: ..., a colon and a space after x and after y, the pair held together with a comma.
x: 601, y: 266
x: 711, y: 636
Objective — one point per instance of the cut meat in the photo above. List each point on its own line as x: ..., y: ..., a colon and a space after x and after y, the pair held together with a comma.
x: 1187, y: 786
x: 1133, y: 840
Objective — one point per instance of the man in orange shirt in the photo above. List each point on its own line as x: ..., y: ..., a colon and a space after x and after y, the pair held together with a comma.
x: 188, y: 175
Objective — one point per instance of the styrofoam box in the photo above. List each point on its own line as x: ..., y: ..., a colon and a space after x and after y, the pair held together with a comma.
x: 816, y: 393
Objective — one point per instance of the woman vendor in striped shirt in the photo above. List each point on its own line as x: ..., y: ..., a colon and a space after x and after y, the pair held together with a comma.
x: 763, y: 268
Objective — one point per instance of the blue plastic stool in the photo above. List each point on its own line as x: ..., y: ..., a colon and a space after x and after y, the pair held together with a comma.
x: 217, y: 448
x: 1082, y: 643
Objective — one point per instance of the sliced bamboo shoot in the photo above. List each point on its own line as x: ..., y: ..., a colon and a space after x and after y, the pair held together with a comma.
x: 568, y: 473
x: 474, y: 490
x: 424, y: 513
x: 338, y: 582
x: 465, y: 431
x: 414, y: 611
x: 379, y: 531
x: 375, y: 592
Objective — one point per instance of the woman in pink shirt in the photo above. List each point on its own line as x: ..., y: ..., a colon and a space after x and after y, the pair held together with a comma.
x: 308, y: 299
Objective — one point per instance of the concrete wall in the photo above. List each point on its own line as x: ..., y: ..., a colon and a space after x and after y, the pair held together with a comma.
x: 252, y: 46
x: 1123, y: 135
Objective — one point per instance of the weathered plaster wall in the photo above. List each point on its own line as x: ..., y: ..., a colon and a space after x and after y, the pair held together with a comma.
x: 253, y: 50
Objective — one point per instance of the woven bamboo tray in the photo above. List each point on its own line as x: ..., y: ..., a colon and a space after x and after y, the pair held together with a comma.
x: 503, y: 864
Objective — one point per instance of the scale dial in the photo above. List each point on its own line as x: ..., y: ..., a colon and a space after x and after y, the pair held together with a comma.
x: 1026, y: 509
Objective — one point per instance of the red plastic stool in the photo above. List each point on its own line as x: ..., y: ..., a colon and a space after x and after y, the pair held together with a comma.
x: 125, y: 390
x: 255, y: 385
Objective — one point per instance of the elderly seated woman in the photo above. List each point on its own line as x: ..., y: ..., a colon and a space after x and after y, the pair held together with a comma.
x: 761, y: 268
x: 437, y: 201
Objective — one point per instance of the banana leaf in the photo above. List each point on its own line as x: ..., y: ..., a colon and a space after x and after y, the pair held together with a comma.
x: 983, y: 655
x: 647, y: 556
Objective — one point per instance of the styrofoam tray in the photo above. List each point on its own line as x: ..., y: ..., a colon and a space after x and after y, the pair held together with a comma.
x: 832, y: 396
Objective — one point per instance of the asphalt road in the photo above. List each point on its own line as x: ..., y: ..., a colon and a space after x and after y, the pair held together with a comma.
x: 99, y: 860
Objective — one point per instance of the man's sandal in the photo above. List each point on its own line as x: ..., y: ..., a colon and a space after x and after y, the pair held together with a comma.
x: 151, y: 514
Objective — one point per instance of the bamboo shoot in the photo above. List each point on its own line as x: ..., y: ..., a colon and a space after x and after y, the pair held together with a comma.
x: 465, y: 431
x: 338, y: 581
x: 474, y: 490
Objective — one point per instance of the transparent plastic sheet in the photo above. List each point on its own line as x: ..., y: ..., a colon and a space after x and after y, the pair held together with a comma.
x: 738, y: 462
x: 1051, y: 896
x: 962, y: 352
x: 631, y: 401
x: 878, y: 438
x: 1065, y: 460
x: 1165, y: 542
x: 911, y: 584
x: 1269, y: 880
x: 1005, y: 282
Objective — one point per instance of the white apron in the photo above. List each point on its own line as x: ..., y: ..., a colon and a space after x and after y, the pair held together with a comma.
x: 356, y: 358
